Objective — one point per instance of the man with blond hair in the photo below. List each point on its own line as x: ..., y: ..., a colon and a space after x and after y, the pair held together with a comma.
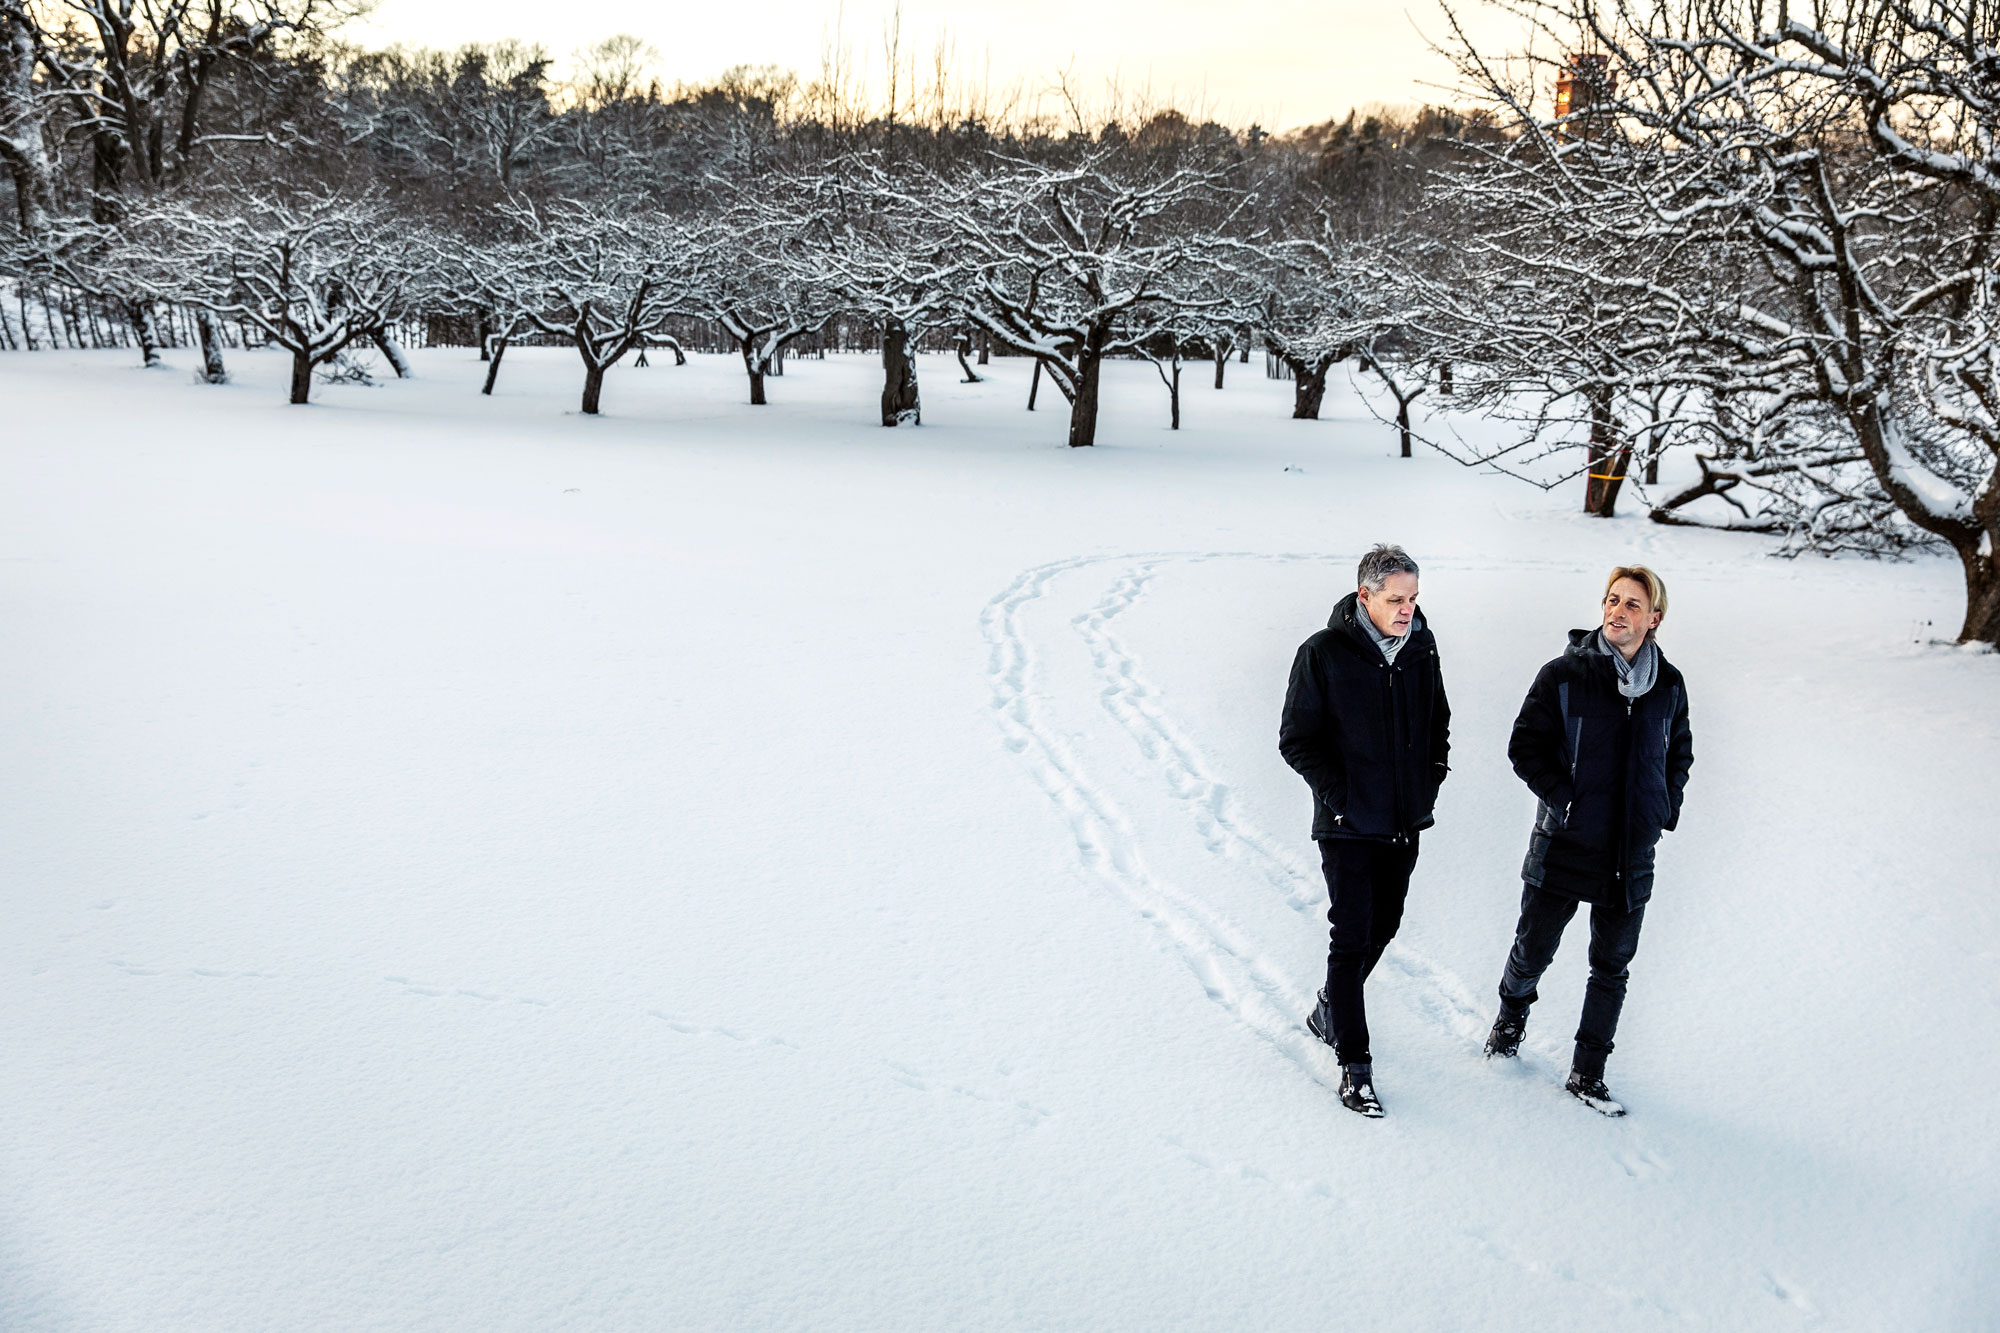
x: 1603, y: 742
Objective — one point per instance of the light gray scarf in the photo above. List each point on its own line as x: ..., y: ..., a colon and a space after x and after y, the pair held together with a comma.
x: 1390, y: 644
x: 1636, y: 676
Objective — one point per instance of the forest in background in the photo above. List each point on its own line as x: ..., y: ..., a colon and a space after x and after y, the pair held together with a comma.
x: 1758, y: 242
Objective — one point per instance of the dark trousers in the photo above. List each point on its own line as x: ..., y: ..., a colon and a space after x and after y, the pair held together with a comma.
x: 1366, y: 882
x: 1614, y: 938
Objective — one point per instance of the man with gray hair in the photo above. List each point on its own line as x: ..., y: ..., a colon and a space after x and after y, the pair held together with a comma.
x: 1367, y: 726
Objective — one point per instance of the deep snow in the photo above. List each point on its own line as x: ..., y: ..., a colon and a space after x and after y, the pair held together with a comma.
x: 470, y: 865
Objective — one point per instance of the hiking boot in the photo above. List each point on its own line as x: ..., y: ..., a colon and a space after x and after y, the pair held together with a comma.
x: 1505, y: 1038
x: 1592, y: 1093
x: 1357, y: 1091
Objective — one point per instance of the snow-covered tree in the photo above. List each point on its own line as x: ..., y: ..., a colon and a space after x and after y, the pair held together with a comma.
x: 1329, y: 296
x: 758, y: 275
x: 313, y: 273
x: 603, y: 277
x: 879, y: 262
x: 1852, y: 160
x: 474, y: 121
x: 1053, y: 259
x: 24, y: 120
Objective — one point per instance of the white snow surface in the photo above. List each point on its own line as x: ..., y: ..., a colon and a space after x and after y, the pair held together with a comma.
x: 468, y: 865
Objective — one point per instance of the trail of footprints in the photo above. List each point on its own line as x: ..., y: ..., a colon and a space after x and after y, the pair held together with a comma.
x: 1232, y: 970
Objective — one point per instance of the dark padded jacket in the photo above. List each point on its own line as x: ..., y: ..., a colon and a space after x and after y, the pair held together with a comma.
x: 1609, y: 772
x: 1370, y: 739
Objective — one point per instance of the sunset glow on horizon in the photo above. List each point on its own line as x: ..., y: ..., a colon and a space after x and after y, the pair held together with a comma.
x: 1285, y: 65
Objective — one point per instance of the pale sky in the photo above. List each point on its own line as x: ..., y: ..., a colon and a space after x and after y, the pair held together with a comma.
x: 1280, y: 63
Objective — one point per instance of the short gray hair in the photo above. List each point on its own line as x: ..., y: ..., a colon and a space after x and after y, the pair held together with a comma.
x: 1380, y: 563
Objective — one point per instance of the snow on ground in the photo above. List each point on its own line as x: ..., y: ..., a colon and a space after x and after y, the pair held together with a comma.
x: 470, y: 865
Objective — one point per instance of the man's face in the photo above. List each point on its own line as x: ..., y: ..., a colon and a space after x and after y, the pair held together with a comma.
x: 1628, y: 616
x: 1394, y: 607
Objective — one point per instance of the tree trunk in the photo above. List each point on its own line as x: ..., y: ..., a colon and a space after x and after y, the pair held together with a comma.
x: 1308, y: 389
x: 1243, y: 354
x: 1653, y: 470
x: 1174, y: 392
x: 900, y: 406
x: 1608, y: 460
x: 985, y: 348
x: 1403, y: 423
x: 1083, y: 411
x: 593, y: 386
x: 963, y: 344
x: 25, y: 153
x: 493, y: 367
x: 1982, y: 588
x: 211, y: 348
x: 1035, y: 384
x: 1221, y: 363
x: 391, y: 353
x: 1444, y: 378
x: 483, y: 330
x: 756, y: 373
x: 145, y: 326
x: 302, y: 377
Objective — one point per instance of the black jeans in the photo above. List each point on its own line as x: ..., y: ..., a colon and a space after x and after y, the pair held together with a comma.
x: 1614, y: 938
x: 1366, y: 882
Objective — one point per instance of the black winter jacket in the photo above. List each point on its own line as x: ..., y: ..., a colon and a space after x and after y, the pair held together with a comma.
x: 1609, y: 772
x: 1370, y: 739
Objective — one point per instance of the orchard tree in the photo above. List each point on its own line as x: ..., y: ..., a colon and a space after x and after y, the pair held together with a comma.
x: 1052, y: 260
x: 312, y: 273
x: 596, y: 275
x: 1852, y: 157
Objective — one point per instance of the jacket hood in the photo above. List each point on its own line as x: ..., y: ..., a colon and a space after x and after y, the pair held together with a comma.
x: 1347, y: 610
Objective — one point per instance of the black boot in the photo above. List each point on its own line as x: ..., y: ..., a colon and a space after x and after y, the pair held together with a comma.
x: 1505, y: 1038
x: 1320, y: 1021
x: 1357, y: 1090
x: 1590, y: 1090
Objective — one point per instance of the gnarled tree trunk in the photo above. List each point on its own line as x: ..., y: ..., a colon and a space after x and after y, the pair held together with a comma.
x: 302, y: 376
x: 493, y: 366
x: 1308, y: 389
x: 1083, y: 408
x: 392, y: 353
x: 900, y: 406
x: 212, y: 369
x: 145, y: 325
x: 1608, y: 460
x: 1982, y: 588
x: 961, y: 345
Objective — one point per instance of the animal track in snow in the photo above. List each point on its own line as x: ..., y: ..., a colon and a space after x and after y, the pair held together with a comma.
x: 692, y: 1029
x: 1026, y: 1111
x: 425, y: 988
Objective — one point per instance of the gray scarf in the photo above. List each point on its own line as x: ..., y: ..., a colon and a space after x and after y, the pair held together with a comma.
x: 1636, y: 676
x: 1390, y: 644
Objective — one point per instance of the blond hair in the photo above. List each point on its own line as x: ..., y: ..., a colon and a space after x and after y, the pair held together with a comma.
x: 1655, y: 586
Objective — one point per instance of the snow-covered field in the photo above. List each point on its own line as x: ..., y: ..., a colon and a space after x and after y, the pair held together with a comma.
x: 473, y: 866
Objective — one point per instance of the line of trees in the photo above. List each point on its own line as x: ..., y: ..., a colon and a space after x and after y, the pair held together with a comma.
x: 1761, y: 243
